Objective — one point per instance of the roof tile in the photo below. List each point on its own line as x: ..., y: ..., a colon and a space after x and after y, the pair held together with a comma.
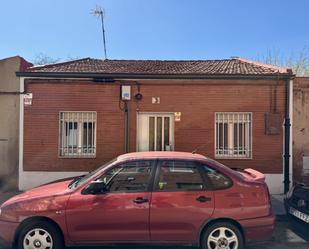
x: 234, y: 66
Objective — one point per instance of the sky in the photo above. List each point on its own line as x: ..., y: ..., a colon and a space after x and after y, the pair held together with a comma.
x: 154, y: 29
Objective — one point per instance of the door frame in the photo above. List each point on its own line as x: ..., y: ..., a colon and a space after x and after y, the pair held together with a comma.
x: 172, y: 127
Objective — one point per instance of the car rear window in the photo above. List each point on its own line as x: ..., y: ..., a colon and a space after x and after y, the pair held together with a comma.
x: 179, y: 176
x: 217, y: 179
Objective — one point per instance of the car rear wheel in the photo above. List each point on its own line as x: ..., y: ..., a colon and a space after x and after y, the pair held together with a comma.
x: 39, y: 235
x: 222, y: 235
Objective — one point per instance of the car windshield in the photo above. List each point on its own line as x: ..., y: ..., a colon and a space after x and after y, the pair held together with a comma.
x: 80, y: 180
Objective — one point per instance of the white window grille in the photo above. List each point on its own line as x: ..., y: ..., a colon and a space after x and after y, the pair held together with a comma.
x: 77, y: 134
x: 233, y: 133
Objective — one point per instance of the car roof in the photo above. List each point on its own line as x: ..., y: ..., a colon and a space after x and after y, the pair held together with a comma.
x: 160, y: 154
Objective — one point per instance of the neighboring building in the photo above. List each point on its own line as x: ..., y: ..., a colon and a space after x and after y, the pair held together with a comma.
x: 301, y: 130
x: 230, y: 110
x: 9, y: 120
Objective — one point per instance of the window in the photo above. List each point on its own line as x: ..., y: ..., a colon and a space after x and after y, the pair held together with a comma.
x: 217, y: 179
x: 233, y: 135
x: 77, y: 134
x: 128, y: 177
x: 179, y: 176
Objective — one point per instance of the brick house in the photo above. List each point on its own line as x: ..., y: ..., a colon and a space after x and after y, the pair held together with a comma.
x: 86, y: 112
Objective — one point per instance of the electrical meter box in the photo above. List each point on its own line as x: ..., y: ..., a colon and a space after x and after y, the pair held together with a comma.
x: 125, y: 92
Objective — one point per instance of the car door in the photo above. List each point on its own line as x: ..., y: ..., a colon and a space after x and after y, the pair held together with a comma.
x: 120, y: 213
x: 180, y: 202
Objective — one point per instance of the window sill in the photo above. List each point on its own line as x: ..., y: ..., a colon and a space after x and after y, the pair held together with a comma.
x: 78, y: 157
x: 233, y: 158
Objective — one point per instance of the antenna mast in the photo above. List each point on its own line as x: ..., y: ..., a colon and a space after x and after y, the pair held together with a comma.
x: 99, y: 13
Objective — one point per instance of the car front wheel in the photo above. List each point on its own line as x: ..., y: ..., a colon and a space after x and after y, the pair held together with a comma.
x: 222, y: 235
x: 40, y: 235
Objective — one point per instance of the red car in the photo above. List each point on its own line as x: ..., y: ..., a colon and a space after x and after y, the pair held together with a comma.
x: 145, y: 197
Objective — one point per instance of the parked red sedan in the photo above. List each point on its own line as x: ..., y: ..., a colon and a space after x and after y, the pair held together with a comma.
x: 146, y: 197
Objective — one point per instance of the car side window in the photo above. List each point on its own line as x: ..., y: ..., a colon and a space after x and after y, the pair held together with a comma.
x: 177, y: 175
x: 128, y: 177
x: 217, y: 179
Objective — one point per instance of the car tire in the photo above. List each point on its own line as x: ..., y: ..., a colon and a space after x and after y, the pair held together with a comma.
x: 224, y: 234
x: 40, y: 235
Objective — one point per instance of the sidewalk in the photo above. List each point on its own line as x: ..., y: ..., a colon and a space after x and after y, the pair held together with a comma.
x: 277, y: 204
x: 7, y: 195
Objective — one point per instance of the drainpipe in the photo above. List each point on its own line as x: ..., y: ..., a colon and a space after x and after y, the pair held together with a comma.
x: 126, y: 127
x: 287, y: 137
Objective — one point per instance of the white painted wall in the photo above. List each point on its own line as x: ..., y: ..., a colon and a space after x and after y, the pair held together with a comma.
x: 275, y: 183
x: 31, y: 179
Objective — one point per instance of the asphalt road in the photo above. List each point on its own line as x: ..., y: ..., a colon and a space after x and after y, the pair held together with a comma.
x: 288, y: 234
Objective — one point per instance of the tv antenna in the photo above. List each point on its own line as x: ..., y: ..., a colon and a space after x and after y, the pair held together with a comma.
x: 99, y: 13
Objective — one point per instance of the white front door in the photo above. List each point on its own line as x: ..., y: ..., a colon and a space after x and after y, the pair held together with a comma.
x: 155, y: 132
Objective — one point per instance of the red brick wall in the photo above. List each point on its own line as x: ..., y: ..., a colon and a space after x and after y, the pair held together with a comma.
x: 197, y: 103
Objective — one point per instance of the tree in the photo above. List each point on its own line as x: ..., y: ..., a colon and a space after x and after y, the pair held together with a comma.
x: 298, y: 62
x: 43, y: 59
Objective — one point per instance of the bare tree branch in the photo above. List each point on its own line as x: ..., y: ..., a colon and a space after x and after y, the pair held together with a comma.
x: 299, y: 62
x: 43, y: 59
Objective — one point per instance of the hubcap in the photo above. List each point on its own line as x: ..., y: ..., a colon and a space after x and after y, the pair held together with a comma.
x: 38, y: 239
x: 222, y: 238
x: 37, y: 243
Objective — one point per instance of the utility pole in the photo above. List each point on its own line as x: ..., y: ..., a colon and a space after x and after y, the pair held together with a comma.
x: 99, y: 13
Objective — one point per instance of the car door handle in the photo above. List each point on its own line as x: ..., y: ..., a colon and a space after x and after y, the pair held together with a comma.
x: 140, y: 200
x: 203, y: 198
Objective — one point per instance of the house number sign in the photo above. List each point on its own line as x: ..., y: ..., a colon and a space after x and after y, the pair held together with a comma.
x: 155, y: 100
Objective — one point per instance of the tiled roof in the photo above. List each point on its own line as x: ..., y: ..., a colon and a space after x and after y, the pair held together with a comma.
x: 234, y: 66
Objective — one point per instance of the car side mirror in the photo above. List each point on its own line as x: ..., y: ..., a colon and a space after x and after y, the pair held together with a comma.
x: 95, y: 188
